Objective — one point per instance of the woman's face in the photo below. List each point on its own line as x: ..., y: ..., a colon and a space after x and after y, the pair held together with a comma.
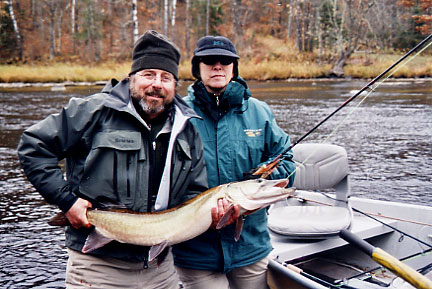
x: 216, y: 72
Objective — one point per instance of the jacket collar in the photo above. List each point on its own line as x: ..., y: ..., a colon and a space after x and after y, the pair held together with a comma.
x: 234, y: 98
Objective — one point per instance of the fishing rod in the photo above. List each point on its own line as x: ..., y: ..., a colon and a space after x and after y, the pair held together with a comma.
x: 265, y: 170
x: 422, y: 270
x: 393, y: 264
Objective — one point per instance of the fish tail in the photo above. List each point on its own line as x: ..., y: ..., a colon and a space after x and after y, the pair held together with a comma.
x: 59, y: 220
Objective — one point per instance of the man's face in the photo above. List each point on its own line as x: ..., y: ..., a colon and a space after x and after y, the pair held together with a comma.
x: 154, y: 89
x: 216, y: 72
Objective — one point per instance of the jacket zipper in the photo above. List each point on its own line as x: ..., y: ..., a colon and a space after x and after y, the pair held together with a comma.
x: 115, y: 185
x: 128, y: 161
x: 150, y: 181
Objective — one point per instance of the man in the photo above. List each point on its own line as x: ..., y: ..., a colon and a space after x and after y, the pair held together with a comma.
x: 239, y: 134
x: 132, y: 144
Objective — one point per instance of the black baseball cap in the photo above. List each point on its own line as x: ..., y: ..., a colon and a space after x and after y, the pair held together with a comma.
x: 215, y: 45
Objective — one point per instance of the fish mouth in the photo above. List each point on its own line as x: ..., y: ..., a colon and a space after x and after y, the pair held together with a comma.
x: 282, y: 183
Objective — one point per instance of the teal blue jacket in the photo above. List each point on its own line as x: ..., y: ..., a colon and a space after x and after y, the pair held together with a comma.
x: 239, y: 133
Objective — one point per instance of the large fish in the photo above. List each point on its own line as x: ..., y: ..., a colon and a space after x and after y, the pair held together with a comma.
x: 184, y: 222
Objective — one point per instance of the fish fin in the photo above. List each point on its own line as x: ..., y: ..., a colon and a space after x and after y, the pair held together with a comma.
x: 95, y: 240
x: 239, y: 228
x: 225, y: 218
x: 59, y: 220
x: 157, y: 249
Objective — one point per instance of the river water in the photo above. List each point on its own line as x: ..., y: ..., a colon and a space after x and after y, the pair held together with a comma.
x: 388, y: 139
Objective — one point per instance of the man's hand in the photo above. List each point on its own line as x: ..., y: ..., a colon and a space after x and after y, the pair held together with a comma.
x: 249, y: 175
x: 77, y: 214
x: 222, y: 207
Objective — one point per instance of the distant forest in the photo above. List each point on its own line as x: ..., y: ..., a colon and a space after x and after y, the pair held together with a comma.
x: 94, y: 31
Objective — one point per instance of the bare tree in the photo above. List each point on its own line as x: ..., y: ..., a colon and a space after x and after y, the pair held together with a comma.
x: 124, y: 24
x: 17, y: 32
x: 383, y: 22
x: 236, y: 10
x: 165, y: 18
x: 73, y: 25
x: 51, y: 9
x: 173, y: 18
x: 290, y: 17
x: 305, y: 24
x: 207, y: 26
x: 319, y: 32
x: 188, y: 27
x: 348, y: 28
x: 135, y: 20
x: 59, y: 22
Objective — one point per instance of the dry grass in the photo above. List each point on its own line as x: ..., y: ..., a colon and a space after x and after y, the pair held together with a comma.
x: 273, y: 70
x: 62, y: 72
x: 269, y: 59
x: 419, y: 66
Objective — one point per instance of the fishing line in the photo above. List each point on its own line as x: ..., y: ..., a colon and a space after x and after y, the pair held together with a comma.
x: 371, y: 214
x: 393, y: 228
x: 403, y: 61
x: 393, y: 68
x: 333, y: 132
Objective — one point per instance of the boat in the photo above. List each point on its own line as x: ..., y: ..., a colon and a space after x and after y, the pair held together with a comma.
x: 318, y: 234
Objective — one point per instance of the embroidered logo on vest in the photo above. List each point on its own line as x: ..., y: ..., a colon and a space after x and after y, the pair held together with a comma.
x: 253, y: 132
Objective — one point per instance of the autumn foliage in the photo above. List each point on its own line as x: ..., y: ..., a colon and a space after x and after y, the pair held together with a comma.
x: 94, y: 31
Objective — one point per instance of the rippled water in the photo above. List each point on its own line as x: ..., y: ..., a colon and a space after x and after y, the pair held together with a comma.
x: 388, y: 139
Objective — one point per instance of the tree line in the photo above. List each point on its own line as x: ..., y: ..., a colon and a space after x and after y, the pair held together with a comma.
x: 100, y: 30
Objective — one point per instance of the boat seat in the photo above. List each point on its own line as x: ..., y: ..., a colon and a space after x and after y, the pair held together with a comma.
x: 319, y: 167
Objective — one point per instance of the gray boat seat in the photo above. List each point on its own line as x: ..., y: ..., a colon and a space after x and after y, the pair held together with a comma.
x: 319, y: 167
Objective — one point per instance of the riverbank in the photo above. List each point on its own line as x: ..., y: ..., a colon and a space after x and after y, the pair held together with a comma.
x: 360, y: 66
x: 97, y: 85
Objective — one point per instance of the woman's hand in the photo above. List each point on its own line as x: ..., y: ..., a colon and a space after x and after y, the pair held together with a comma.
x: 223, y: 207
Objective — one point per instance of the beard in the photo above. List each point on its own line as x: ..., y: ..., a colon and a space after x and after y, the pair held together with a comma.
x: 151, y: 106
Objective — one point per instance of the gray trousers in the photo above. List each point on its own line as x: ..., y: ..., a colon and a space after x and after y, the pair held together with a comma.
x: 86, y: 271
x: 253, y: 276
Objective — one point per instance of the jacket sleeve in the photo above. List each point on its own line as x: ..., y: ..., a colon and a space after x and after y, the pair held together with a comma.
x: 277, y: 141
x: 44, y: 144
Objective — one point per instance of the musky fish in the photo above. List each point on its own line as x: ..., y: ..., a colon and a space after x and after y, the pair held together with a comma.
x: 184, y: 222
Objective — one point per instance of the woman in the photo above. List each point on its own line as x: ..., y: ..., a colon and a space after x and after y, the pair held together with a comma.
x: 239, y: 134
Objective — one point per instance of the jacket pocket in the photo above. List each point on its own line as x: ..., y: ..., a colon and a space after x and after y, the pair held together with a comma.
x: 111, y: 167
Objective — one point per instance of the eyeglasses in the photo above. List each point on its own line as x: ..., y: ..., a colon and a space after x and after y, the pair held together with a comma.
x: 165, y: 78
x: 212, y: 60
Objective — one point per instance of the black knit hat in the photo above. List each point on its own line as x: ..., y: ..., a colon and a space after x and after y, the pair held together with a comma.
x: 155, y: 51
x: 214, y: 46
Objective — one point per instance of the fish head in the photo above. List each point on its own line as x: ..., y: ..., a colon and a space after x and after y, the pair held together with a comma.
x: 255, y: 194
